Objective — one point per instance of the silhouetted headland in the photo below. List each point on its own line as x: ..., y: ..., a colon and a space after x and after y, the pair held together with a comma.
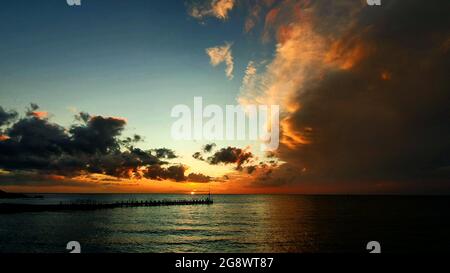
x: 10, y: 195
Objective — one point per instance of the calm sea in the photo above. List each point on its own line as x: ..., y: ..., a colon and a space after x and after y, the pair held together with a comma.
x: 235, y: 223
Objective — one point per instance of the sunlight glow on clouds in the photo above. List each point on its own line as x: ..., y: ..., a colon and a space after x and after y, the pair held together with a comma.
x: 222, y: 54
x: 213, y: 8
x: 363, y: 94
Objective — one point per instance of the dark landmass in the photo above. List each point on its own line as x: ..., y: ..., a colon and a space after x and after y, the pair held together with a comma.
x: 11, y: 195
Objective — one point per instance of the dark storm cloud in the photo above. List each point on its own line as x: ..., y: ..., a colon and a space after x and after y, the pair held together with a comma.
x: 124, y: 164
x: 94, y: 146
x: 176, y: 173
x: 31, y: 141
x: 83, y: 116
x: 229, y: 155
x: 129, y: 142
x: 244, y: 160
x: 251, y: 169
x: 198, y: 155
x: 157, y: 172
x: 209, y: 147
x: 198, y: 177
x: 33, y: 107
x: 6, y: 116
x: 164, y: 153
x: 388, y: 117
x: 97, y: 135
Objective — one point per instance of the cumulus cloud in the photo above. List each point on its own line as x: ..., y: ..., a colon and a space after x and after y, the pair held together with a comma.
x: 230, y: 155
x: 164, y: 153
x: 245, y: 162
x: 226, y: 156
x: 36, y: 146
x: 6, y: 116
x: 364, y: 103
x: 209, y: 147
x: 212, y: 8
x: 97, y: 134
x: 198, y: 178
x: 175, y: 172
x: 222, y: 54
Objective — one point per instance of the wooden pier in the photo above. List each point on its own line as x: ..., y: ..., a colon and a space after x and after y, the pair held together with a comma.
x: 92, y: 205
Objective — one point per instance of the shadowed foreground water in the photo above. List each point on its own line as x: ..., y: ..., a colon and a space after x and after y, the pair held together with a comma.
x: 236, y: 223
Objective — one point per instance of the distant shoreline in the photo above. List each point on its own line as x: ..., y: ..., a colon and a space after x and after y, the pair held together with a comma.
x: 12, y: 195
x: 39, y: 194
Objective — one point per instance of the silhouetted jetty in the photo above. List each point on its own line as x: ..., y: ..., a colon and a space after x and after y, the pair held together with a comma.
x: 93, y: 205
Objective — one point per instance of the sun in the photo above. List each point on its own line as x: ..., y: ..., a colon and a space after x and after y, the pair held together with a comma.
x: 192, y: 192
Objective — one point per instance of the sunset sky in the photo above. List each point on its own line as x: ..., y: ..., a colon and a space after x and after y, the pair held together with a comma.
x: 363, y: 91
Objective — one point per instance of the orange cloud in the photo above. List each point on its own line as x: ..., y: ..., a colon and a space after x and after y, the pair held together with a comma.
x: 250, y: 72
x: 270, y: 19
x: 292, y: 138
x: 124, y: 120
x: 222, y: 54
x: 272, y: 16
x: 221, y: 8
x: 39, y: 114
x: 346, y: 53
x: 298, y: 50
x: 215, y: 8
x: 303, y: 54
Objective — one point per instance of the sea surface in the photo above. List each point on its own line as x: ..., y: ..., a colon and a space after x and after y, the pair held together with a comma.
x: 234, y: 223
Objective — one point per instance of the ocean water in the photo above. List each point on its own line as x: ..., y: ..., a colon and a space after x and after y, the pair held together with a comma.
x: 235, y: 223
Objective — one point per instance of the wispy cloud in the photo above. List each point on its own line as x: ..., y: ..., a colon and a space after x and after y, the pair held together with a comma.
x: 250, y: 72
x: 222, y: 54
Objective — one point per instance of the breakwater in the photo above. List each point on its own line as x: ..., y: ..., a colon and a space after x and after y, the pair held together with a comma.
x: 85, y: 206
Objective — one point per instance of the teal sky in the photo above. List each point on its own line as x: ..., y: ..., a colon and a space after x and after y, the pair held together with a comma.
x: 134, y: 60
